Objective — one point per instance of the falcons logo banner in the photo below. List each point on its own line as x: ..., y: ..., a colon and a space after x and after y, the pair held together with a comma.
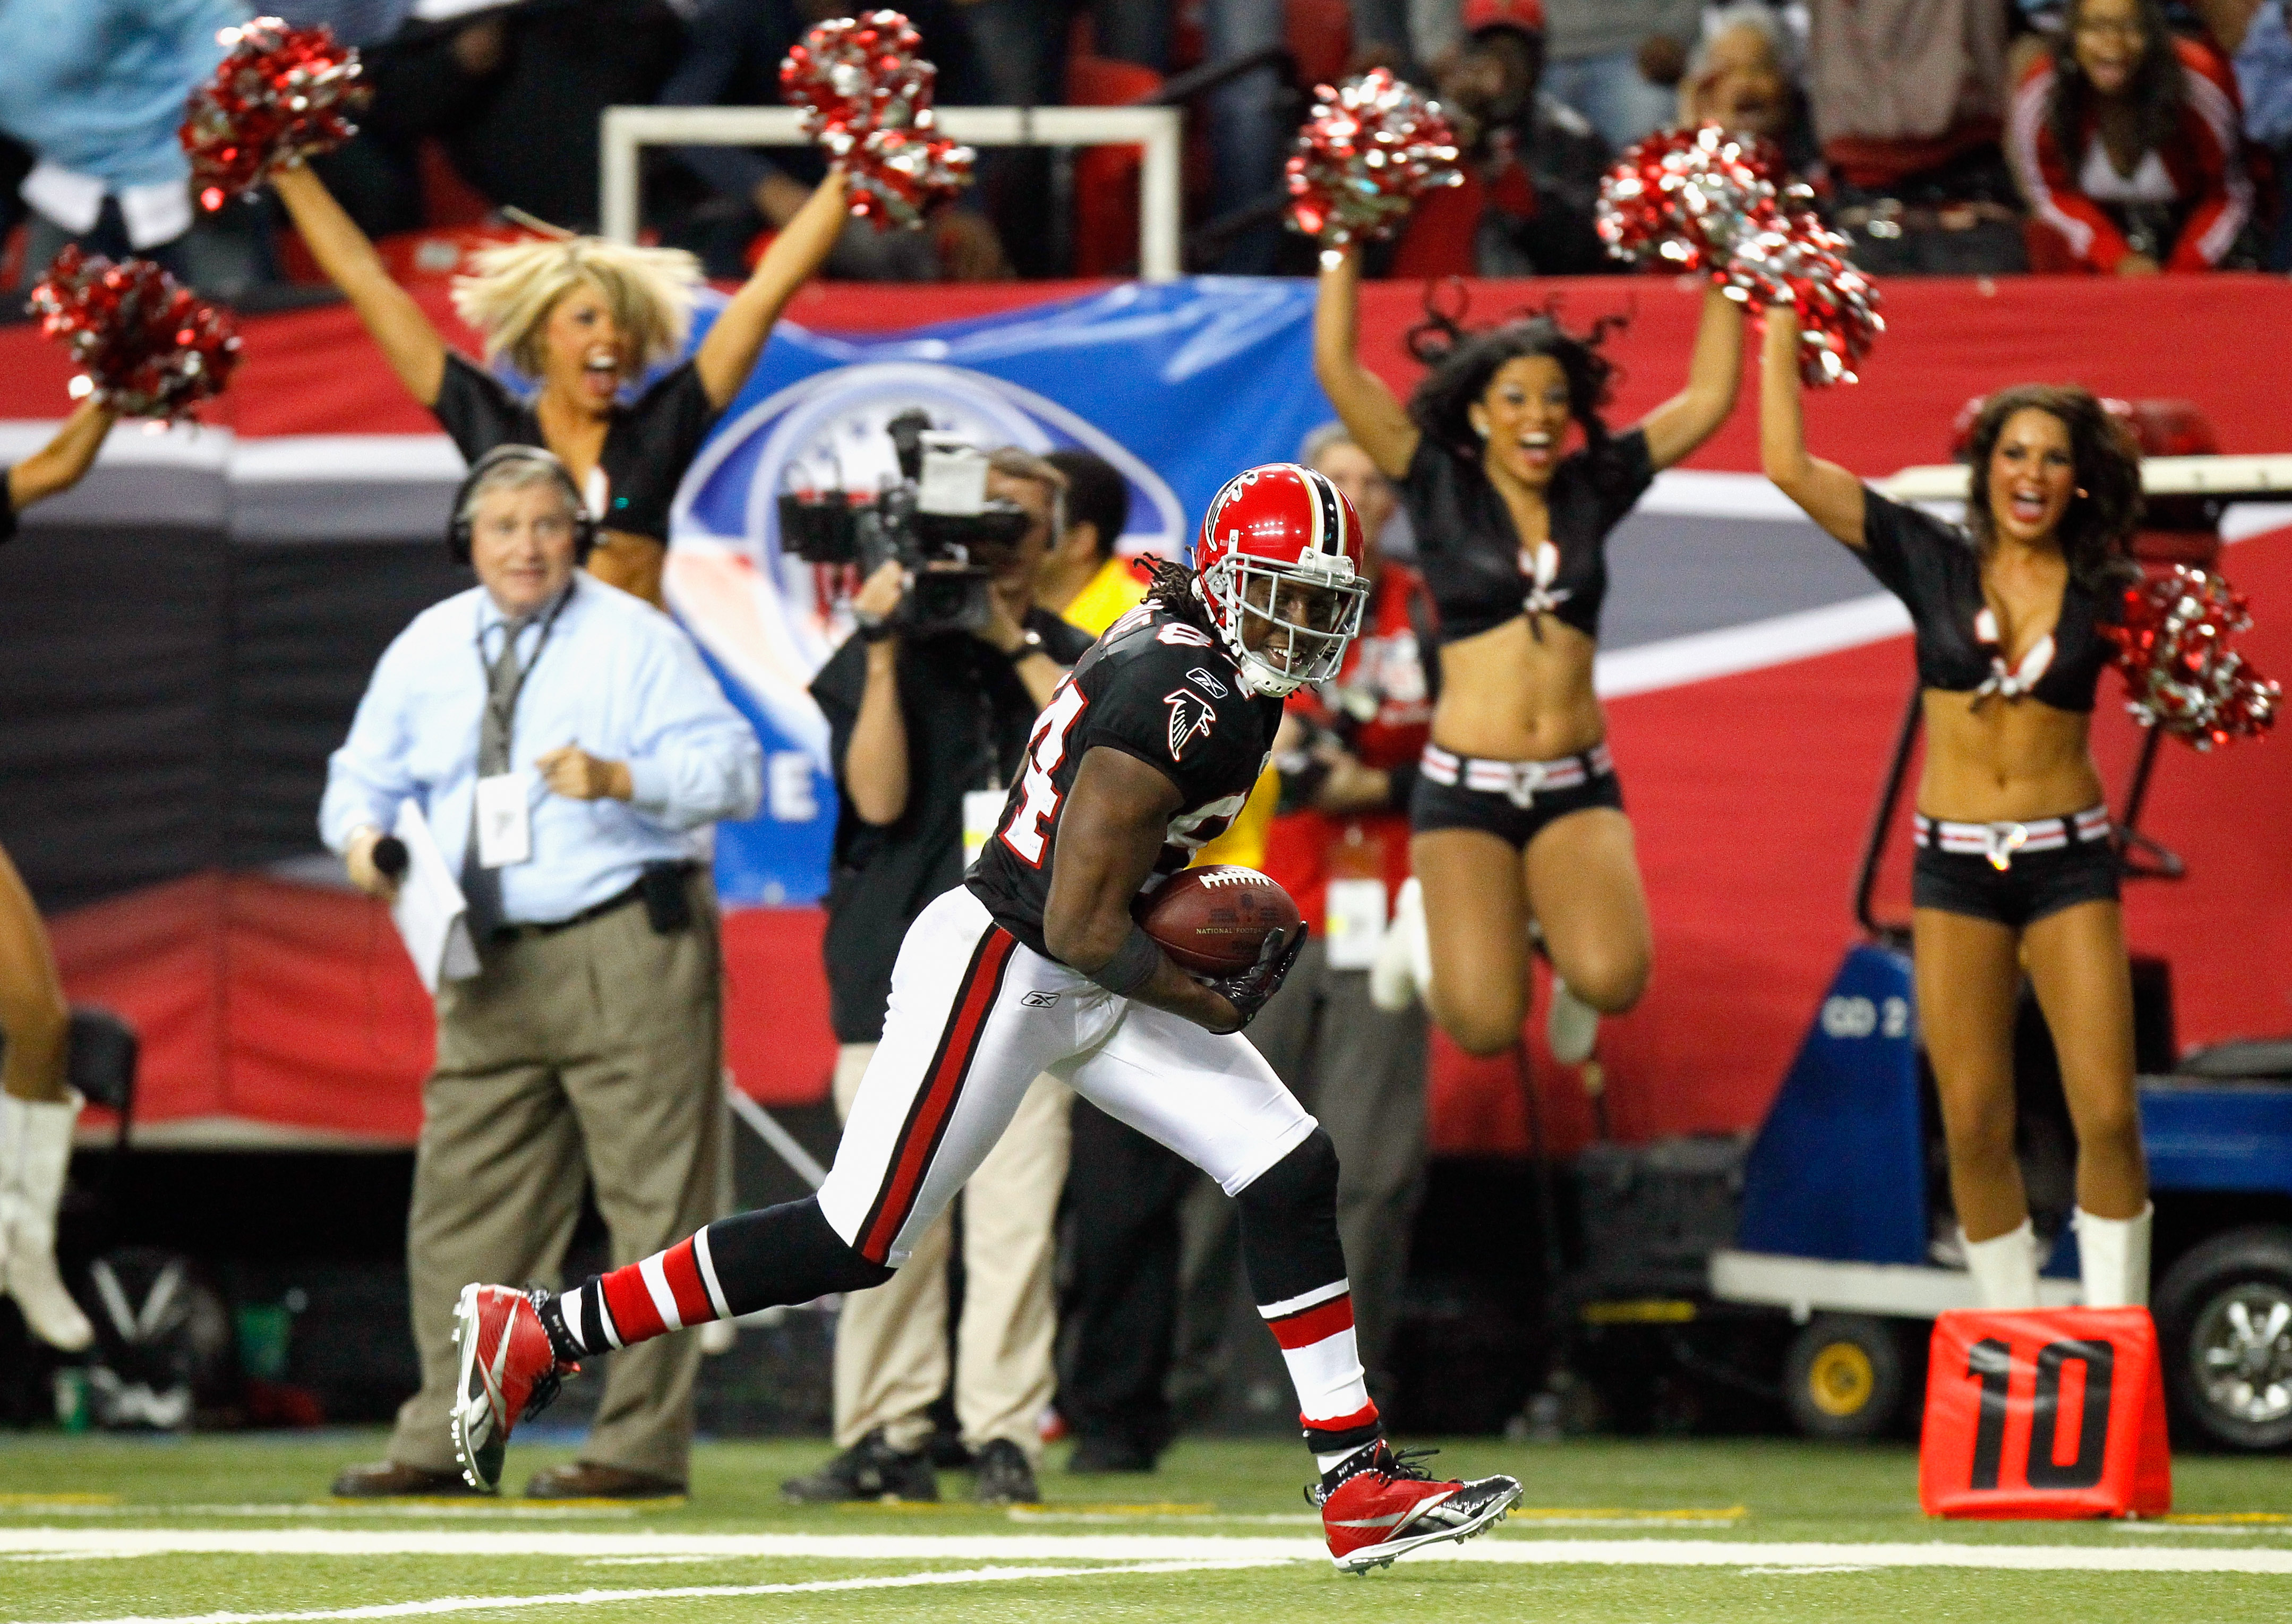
x: 1191, y: 718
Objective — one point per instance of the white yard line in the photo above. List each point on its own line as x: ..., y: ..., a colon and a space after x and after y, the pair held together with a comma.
x: 592, y: 1598
x: 315, y: 1542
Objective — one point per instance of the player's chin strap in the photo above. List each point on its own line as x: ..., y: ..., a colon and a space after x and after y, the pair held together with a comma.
x: 1258, y: 679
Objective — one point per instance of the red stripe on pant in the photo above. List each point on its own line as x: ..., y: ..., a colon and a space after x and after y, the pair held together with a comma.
x: 929, y: 1118
x: 1311, y: 1325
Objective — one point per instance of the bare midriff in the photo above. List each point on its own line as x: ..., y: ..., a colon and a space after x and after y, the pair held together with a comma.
x: 1507, y: 696
x: 2009, y: 761
x: 631, y: 562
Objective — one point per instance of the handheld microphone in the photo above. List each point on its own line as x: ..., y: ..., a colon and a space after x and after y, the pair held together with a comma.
x: 389, y: 856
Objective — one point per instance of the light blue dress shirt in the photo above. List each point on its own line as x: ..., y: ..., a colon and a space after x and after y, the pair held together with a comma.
x: 98, y: 87
x: 615, y: 676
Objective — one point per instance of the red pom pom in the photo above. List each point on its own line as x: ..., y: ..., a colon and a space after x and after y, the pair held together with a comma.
x: 866, y: 99
x: 2180, y: 672
x: 151, y: 348
x: 1682, y: 200
x: 281, y: 94
x: 1709, y: 201
x: 1370, y: 148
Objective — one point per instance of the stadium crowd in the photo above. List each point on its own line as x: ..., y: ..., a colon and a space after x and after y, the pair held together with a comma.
x: 2106, y: 136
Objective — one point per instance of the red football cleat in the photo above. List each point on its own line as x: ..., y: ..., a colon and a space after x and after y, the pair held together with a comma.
x: 1387, y: 1506
x: 509, y: 1373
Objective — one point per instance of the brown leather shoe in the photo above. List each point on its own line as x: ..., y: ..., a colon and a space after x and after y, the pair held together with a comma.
x: 585, y: 1480
x: 379, y: 1479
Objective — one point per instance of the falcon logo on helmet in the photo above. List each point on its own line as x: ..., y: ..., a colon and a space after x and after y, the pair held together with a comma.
x: 1279, y: 567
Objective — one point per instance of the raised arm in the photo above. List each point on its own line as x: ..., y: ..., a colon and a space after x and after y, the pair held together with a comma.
x: 408, y: 341
x: 1371, y: 414
x: 63, y: 461
x: 1693, y: 416
x: 1112, y: 830
x: 730, y: 350
x: 1831, y: 497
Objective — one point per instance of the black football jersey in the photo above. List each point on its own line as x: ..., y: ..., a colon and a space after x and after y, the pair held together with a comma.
x: 1155, y: 687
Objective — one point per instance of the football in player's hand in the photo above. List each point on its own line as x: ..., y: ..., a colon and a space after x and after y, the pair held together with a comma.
x: 1212, y: 921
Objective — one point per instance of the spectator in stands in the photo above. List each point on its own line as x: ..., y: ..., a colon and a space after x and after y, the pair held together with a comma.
x: 1538, y: 161
x: 1740, y: 77
x: 924, y: 730
x: 96, y: 89
x: 2125, y: 140
x: 1908, y: 97
x: 588, y: 1046
x: 37, y: 1106
x: 1021, y: 48
x: 1618, y: 63
x: 516, y: 93
x: 2258, y: 35
x: 586, y: 318
x: 733, y: 60
x: 1248, y: 143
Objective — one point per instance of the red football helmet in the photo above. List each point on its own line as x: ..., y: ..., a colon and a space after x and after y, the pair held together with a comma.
x: 1279, y: 565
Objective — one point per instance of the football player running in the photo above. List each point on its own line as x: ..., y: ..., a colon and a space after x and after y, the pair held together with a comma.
x: 1145, y: 753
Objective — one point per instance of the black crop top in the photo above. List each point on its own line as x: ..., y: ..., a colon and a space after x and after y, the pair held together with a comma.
x: 1470, y: 553
x: 1936, y: 571
x: 649, y: 444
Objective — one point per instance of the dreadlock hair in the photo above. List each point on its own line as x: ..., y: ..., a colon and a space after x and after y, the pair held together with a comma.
x: 2097, y: 527
x: 1464, y: 361
x: 2156, y: 89
x: 1170, y: 588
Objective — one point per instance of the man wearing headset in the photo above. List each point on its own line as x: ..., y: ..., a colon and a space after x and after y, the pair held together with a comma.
x: 570, y: 752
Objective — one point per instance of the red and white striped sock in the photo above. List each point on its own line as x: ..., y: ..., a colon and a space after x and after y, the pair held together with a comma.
x: 1315, y: 1329
x: 670, y: 1290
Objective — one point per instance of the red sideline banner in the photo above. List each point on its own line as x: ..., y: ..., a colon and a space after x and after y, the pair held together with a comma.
x: 2052, y: 1413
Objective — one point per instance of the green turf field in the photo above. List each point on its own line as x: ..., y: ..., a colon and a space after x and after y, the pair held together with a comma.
x: 219, y: 1529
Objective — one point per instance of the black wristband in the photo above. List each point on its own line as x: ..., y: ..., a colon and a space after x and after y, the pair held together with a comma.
x: 1401, y: 784
x: 1133, y: 966
x: 879, y: 630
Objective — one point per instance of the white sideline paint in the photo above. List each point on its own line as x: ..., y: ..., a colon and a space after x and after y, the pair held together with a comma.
x: 1752, y: 646
x: 592, y: 1599
x: 1517, y: 1551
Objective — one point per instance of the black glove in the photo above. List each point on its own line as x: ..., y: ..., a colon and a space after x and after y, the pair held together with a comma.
x: 1248, y: 990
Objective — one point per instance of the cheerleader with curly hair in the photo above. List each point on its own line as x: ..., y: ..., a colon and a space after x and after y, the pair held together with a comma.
x: 1512, y: 480
x: 584, y: 317
x: 2015, y: 870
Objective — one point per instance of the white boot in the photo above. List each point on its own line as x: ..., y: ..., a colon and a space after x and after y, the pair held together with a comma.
x: 1403, y: 969
x: 35, y: 1149
x: 1571, y: 1026
x: 2004, y: 1268
x: 2113, y: 1258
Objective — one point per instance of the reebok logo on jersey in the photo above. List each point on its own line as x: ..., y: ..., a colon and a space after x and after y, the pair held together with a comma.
x: 1040, y: 1000
x: 1207, y: 684
x: 1191, y: 717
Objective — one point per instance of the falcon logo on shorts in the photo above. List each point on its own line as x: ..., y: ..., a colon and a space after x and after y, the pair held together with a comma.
x: 1191, y: 717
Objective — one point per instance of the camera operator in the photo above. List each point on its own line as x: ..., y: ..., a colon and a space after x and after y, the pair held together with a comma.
x: 928, y: 710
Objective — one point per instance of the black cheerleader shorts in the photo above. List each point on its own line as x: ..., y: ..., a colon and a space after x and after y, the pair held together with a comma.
x: 2013, y: 873
x: 1513, y: 800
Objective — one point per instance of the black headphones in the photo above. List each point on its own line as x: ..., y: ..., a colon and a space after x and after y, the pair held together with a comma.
x: 585, y: 525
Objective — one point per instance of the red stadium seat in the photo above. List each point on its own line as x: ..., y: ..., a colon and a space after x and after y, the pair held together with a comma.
x: 1320, y: 34
x: 1106, y: 178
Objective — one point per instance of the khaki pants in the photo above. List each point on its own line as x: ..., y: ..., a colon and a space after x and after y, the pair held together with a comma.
x: 891, y: 1342
x: 592, y: 1056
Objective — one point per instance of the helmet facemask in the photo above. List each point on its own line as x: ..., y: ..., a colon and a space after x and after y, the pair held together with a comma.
x: 1302, y: 614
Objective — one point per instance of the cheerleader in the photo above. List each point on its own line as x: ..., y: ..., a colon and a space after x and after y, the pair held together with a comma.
x: 1517, y: 816
x: 585, y: 317
x: 2015, y: 869
x: 37, y: 1107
